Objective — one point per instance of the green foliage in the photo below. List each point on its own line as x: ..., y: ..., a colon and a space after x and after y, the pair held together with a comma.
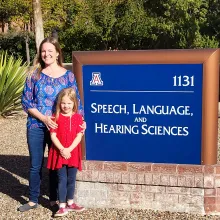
x: 7, y: 9
x: 102, y: 16
x: 212, y: 25
x: 80, y: 31
x: 12, y: 79
x: 119, y: 24
x: 23, y: 15
x: 14, y: 43
x: 11, y: 9
x: 178, y: 23
x: 133, y: 26
x: 57, y: 14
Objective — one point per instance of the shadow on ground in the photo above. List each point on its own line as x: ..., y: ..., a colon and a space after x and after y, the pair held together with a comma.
x: 14, y: 168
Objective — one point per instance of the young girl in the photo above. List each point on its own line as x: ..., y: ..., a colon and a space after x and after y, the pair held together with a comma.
x: 65, y: 153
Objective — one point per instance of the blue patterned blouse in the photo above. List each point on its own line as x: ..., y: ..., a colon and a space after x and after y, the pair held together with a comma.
x: 42, y: 93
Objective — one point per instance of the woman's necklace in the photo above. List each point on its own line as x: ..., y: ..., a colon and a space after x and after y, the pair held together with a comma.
x: 54, y: 72
x: 51, y: 72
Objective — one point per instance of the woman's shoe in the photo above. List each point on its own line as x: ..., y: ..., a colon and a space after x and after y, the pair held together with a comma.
x: 26, y: 207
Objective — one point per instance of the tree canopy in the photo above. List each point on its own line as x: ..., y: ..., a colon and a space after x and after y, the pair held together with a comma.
x: 121, y: 24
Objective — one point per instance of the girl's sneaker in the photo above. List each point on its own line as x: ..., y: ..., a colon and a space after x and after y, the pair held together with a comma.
x: 75, y: 208
x: 61, y: 212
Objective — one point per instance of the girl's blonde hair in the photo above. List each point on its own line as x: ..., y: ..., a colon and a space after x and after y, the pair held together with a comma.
x: 39, y: 63
x: 70, y: 92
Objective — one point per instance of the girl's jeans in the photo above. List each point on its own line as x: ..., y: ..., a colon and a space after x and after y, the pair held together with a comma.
x: 66, y: 183
x: 37, y: 139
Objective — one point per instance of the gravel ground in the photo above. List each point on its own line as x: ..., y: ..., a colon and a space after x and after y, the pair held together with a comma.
x: 14, y: 185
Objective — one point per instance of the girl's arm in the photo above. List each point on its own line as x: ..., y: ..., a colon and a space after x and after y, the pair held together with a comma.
x: 56, y: 141
x: 76, y: 141
x: 59, y: 146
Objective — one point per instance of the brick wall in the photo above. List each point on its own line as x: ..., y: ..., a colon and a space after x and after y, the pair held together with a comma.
x: 165, y: 187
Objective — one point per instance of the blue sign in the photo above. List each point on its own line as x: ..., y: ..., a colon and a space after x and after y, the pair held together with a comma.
x: 143, y: 112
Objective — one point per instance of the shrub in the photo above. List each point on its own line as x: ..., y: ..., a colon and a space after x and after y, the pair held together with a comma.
x: 12, y: 78
x: 14, y: 43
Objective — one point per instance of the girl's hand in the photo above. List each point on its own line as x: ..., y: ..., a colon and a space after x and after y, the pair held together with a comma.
x: 83, y: 126
x: 65, y: 153
x: 48, y: 121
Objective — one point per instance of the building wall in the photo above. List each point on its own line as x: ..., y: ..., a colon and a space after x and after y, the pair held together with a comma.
x: 164, y: 187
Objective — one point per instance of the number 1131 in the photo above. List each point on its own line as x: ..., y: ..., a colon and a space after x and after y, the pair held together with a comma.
x: 183, y: 81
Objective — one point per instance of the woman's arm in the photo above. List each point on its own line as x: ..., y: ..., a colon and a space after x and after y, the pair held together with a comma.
x: 34, y: 112
x: 29, y: 104
x: 47, y: 120
x: 27, y: 99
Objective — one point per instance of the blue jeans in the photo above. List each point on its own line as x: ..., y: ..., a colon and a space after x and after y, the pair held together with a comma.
x: 66, y: 183
x: 37, y: 138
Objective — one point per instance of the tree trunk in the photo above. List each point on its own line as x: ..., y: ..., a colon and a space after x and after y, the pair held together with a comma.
x: 38, y: 23
x: 27, y: 48
x: 3, y: 25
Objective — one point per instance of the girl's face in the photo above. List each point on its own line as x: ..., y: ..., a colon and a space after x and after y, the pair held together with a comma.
x: 48, y: 53
x: 66, y: 105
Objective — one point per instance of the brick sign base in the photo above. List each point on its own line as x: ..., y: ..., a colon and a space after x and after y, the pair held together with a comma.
x: 164, y: 187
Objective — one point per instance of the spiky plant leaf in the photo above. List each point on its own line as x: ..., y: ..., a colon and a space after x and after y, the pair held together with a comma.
x: 12, y: 78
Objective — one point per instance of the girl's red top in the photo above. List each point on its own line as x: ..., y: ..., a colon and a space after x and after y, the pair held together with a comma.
x: 68, y: 128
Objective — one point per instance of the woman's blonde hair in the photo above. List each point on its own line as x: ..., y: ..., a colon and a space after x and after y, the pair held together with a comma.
x: 70, y: 92
x: 39, y: 63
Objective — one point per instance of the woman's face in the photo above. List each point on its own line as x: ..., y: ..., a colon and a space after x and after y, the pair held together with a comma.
x: 48, y: 53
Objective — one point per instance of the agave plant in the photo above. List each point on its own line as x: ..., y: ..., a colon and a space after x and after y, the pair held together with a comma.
x: 12, y: 78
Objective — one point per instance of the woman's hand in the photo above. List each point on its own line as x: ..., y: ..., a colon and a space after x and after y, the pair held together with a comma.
x: 48, y: 121
x: 65, y: 153
x: 83, y: 126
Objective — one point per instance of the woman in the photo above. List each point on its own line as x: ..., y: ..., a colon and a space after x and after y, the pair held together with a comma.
x: 38, y: 100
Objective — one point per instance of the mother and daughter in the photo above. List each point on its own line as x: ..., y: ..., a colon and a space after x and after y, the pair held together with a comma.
x: 55, y: 118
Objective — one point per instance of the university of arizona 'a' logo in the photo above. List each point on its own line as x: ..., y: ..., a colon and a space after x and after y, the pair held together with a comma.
x: 96, y: 79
